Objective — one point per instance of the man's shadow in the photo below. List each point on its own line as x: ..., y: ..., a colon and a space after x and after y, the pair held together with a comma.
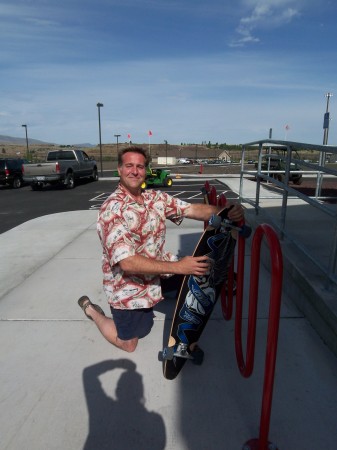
x: 124, y: 422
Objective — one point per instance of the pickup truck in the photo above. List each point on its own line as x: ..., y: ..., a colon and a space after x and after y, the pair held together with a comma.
x: 61, y: 167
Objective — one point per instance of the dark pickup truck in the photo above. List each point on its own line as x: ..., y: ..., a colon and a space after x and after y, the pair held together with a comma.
x: 61, y: 167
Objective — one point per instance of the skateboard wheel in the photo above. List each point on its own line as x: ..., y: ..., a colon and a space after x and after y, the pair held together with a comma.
x: 245, y: 231
x: 168, y: 353
x: 198, y: 356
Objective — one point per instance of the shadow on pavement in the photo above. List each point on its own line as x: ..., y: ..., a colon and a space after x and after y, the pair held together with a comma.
x: 122, y: 422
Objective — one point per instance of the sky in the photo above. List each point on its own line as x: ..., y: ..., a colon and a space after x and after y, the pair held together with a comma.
x: 189, y: 71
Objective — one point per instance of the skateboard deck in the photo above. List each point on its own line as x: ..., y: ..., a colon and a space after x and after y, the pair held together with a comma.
x: 198, y: 296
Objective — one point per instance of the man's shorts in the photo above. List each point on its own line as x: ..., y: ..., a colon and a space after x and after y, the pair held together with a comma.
x: 132, y: 323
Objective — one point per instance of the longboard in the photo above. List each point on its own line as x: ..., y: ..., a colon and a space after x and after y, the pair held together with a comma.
x: 198, y: 296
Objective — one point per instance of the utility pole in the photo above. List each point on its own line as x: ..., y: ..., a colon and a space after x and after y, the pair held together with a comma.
x: 117, y: 136
x: 27, y: 149
x: 99, y: 106
x: 166, y: 150
x: 322, y: 155
x: 326, y: 119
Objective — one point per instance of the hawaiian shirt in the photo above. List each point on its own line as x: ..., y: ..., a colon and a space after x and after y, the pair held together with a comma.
x: 128, y: 228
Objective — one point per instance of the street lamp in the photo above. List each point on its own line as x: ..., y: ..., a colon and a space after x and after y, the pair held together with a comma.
x: 27, y: 151
x: 99, y: 106
x: 326, y: 119
x: 322, y: 155
x: 117, y: 136
x: 166, y: 150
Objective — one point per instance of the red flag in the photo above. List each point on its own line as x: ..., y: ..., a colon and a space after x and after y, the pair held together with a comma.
x: 150, y: 133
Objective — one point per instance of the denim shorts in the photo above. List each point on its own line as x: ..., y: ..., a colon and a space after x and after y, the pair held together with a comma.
x: 132, y: 323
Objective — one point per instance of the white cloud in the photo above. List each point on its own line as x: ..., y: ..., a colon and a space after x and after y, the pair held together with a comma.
x: 264, y: 14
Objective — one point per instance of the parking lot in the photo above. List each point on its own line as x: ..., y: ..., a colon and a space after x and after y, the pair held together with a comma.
x: 20, y: 205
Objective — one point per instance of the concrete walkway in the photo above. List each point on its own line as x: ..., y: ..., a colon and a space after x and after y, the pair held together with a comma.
x: 63, y: 387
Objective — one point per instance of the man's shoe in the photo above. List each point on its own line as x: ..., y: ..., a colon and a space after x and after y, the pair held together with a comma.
x: 84, y: 302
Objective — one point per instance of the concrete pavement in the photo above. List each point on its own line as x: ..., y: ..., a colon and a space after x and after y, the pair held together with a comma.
x: 63, y: 387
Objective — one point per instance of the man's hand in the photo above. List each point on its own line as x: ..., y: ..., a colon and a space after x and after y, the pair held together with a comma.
x: 194, y: 265
x: 236, y: 213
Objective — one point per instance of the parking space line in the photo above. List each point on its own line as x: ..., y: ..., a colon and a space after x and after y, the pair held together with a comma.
x: 100, y: 197
x: 194, y: 196
x: 177, y: 193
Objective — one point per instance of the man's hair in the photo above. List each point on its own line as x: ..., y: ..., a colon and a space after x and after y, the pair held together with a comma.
x: 134, y: 149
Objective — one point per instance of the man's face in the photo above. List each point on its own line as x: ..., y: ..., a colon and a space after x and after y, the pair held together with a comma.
x: 132, y: 172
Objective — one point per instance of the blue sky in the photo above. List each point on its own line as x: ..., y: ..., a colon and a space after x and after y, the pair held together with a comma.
x: 188, y: 70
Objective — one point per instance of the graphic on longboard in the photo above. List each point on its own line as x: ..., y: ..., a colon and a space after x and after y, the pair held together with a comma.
x: 198, y: 295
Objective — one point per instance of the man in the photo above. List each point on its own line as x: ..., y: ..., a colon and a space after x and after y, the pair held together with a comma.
x: 131, y: 227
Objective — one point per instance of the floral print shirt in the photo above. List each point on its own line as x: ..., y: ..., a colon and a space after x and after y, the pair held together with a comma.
x: 127, y: 228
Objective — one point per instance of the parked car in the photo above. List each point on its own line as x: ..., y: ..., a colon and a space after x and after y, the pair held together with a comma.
x: 11, y: 172
x: 184, y: 161
x: 61, y: 167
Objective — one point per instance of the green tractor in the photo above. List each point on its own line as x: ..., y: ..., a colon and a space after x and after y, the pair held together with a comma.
x: 154, y: 177
x: 157, y: 177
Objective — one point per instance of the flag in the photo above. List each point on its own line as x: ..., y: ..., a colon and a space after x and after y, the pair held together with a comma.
x: 150, y: 133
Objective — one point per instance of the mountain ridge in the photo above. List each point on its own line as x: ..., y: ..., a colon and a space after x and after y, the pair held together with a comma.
x: 8, y: 140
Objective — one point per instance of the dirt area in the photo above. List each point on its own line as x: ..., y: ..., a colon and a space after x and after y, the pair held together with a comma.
x: 308, y: 188
x: 217, y: 169
x: 329, y: 188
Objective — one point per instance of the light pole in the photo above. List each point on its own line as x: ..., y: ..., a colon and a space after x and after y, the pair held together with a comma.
x: 322, y: 155
x: 27, y: 150
x: 166, y: 151
x: 326, y: 119
x: 117, y: 136
x: 99, y: 106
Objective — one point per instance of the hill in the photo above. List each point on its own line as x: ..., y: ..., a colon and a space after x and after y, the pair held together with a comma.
x: 20, y: 141
x: 13, y: 146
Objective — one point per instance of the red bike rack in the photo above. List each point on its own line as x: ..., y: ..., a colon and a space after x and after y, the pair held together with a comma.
x: 210, y: 197
x: 207, y: 185
x: 246, y: 367
x: 222, y: 200
x: 228, y: 288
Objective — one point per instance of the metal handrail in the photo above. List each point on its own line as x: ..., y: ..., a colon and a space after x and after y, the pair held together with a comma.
x: 328, y: 269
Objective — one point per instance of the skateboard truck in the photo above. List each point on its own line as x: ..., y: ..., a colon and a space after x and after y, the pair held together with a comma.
x: 181, y: 351
x: 216, y: 222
